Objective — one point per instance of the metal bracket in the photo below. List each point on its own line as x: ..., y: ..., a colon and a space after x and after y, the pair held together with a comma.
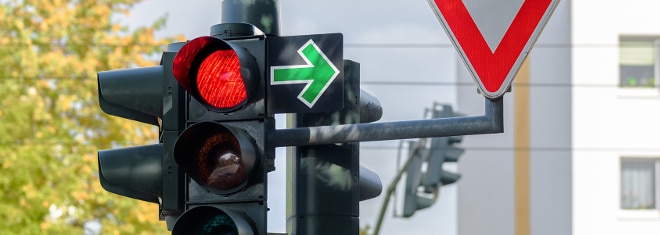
x: 491, y: 122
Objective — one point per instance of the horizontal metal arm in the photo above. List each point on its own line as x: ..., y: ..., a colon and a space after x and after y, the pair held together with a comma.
x: 491, y: 122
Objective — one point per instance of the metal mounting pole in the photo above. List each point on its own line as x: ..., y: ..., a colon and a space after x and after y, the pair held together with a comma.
x: 264, y: 14
x: 491, y: 122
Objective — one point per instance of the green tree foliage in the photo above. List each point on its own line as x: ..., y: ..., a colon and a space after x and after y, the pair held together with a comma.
x: 50, y: 123
x: 365, y: 230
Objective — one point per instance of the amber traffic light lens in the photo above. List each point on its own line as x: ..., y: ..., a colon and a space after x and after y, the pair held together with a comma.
x: 218, y: 157
x: 220, y: 163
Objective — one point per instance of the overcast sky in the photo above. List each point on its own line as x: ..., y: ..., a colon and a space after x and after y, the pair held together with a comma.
x: 385, y: 38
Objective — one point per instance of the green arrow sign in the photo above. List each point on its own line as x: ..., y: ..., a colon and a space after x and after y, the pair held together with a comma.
x: 317, y: 73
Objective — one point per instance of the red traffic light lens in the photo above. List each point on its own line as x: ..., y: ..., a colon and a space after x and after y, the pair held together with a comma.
x: 219, y: 162
x: 219, y: 80
x: 210, y: 69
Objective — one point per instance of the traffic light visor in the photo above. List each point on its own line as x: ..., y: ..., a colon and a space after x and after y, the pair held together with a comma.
x: 135, y: 94
x: 133, y: 172
x: 215, y: 72
x: 218, y: 157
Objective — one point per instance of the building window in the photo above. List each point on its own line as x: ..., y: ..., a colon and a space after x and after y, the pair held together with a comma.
x: 639, y: 183
x: 638, y: 61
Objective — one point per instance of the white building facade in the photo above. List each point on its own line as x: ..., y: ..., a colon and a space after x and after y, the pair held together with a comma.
x: 578, y: 155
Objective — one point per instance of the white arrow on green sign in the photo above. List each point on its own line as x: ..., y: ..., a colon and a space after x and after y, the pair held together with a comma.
x: 317, y: 73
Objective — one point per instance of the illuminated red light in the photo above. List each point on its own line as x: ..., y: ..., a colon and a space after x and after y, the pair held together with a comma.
x: 210, y: 70
x: 219, y: 80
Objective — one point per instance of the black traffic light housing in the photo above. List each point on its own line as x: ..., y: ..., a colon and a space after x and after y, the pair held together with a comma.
x: 327, y: 180
x: 141, y: 172
x: 134, y: 94
x: 222, y: 147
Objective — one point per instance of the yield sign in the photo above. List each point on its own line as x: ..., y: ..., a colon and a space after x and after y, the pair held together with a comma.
x: 493, y: 37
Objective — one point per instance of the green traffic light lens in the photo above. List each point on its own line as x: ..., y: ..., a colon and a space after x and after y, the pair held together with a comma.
x: 220, y: 224
x: 220, y: 164
x: 207, y: 220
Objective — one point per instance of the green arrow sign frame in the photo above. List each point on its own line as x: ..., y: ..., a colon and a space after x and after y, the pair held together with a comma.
x: 318, y: 73
x: 305, y: 73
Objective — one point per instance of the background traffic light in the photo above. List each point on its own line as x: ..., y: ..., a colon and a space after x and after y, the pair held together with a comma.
x: 442, y: 150
x: 414, y: 199
x: 222, y: 147
x: 423, y: 183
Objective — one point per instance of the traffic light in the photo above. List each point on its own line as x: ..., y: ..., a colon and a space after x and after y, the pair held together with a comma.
x: 147, y: 172
x: 222, y: 148
x: 423, y: 187
x: 442, y: 150
x: 134, y: 94
x: 327, y: 180
x: 414, y: 199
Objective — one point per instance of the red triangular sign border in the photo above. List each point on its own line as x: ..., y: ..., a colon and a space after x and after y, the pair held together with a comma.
x: 493, y: 71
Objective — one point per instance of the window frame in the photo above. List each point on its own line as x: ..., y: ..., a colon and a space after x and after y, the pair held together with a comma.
x: 655, y: 40
x: 639, y: 214
x: 656, y: 178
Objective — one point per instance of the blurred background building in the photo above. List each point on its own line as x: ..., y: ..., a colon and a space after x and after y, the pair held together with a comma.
x: 579, y: 153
